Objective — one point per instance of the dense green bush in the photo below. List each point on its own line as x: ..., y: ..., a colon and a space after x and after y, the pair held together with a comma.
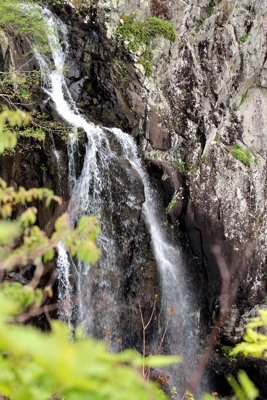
x: 160, y: 27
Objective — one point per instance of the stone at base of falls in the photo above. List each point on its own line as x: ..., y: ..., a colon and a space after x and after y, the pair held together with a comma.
x: 219, y: 366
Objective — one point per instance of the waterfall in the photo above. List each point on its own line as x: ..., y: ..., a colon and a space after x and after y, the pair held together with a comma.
x: 109, y: 153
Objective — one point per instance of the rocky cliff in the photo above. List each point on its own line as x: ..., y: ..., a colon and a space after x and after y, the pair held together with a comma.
x: 200, y: 121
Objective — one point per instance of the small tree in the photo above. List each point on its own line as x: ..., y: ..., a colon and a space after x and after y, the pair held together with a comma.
x: 24, y: 18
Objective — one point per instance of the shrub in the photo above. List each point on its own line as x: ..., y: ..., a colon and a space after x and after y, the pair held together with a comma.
x: 210, y: 8
x: 159, y: 27
x: 244, y: 38
x: 36, y: 365
x: 241, y: 155
x: 139, y: 34
x: 171, y: 205
x: 147, y: 66
x: 181, y: 165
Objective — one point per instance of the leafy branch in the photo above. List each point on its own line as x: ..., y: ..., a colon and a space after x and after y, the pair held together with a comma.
x: 24, y: 18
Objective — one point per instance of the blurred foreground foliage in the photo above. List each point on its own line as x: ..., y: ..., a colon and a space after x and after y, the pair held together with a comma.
x: 243, y: 388
x: 36, y: 365
x: 254, y: 344
x: 21, y: 241
x: 255, y: 339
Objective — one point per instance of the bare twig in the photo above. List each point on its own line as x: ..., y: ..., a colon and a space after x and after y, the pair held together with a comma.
x: 33, y: 313
x: 145, y: 328
x: 37, y: 275
x: 46, y: 312
x: 164, y: 333
x: 17, y: 70
x: 146, y: 373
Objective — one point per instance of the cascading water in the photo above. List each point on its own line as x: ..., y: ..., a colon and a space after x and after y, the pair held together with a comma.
x: 93, y: 297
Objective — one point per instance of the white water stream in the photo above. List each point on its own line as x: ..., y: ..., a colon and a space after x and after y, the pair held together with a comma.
x: 91, y: 194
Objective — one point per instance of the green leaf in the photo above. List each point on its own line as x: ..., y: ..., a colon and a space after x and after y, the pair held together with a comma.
x: 9, y: 230
x: 161, y: 361
x: 61, y: 221
x: 236, y: 387
x: 247, y: 385
x: 49, y: 255
x: 83, y: 222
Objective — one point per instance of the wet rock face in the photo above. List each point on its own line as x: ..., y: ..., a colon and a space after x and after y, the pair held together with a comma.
x: 126, y: 274
x: 226, y: 54
x: 34, y: 169
x: 219, y: 366
x: 207, y: 96
x: 107, y: 82
x: 95, y: 84
x: 207, y: 93
x: 35, y: 163
x: 106, y: 92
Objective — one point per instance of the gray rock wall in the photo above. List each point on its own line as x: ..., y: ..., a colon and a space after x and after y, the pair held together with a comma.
x: 207, y: 93
x: 88, y: 76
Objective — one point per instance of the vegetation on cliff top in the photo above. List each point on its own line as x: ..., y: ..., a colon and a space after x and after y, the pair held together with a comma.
x: 136, y: 34
x: 24, y: 18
